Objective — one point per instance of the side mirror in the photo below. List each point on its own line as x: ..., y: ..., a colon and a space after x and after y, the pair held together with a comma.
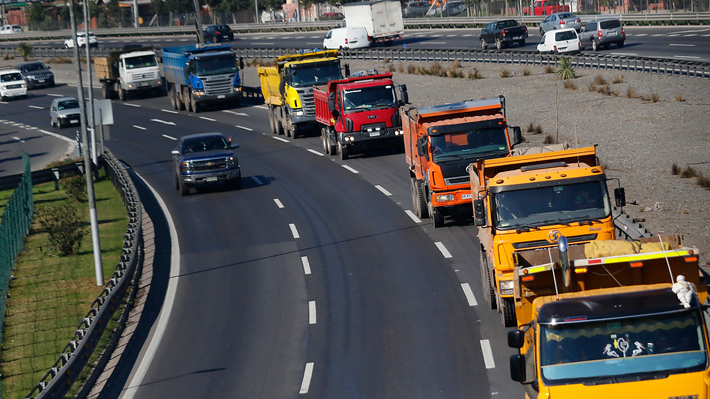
x: 479, y: 213
x: 620, y: 197
x: 516, y: 339
x: 517, y: 135
x: 517, y: 368
x: 421, y: 147
x: 403, y: 92
x: 187, y: 70
x: 235, y: 145
x: 331, y: 102
x: 347, y: 70
x: 241, y: 63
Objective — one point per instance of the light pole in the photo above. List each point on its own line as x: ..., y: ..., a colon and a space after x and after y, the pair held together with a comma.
x: 256, y: 11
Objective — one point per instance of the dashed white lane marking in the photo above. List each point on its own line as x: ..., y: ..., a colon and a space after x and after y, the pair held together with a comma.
x: 681, y: 45
x: 169, y: 137
x: 139, y: 127
x: 261, y: 106
x: 383, y: 190
x: 487, y: 354
x: 280, y: 139
x: 55, y: 95
x: 350, y: 169
x: 294, y: 231
x: 208, y: 119
x: 278, y: 203
x: 131, y: 105
x: 257, y: 181
x: 315, y: 152
x: 36, y: 107
x: 261, y: 43
x: 235, y: 113
x: 307, y: 375
x: 469, y: 294
x: 311, y: 312
x: 306, y: 265
x: 443, y: 249
x: 413, y: 216
x: 686, y: 56
x: 436, y: 42
x: 170, y: 111
x: 162, y: 121
x: 18, y: 139
x: 641, y: 34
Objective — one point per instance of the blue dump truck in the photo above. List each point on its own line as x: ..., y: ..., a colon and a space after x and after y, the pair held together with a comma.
x: 200, y: 74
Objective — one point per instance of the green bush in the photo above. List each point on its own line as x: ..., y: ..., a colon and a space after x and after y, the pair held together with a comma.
x: 25, y: 50
x: 64, y: 227
x: 75, y: 187
x: 565, y: 70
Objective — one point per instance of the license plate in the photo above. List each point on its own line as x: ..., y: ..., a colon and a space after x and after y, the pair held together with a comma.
x: 145, y: 84
x: 220, y: 96
x: 41, y: 81
x: 211, y: 179
x: 374, y: 134
x: 73, y: 121
x: 611, y: 34
x: 466, y: 196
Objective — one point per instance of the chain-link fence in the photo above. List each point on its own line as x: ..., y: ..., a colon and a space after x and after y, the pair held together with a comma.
x: 14, y: 226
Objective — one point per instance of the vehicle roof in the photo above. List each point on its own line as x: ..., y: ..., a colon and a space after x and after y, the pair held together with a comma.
x: 29, y: 63
x: 200, y: 135
x: 561, y: 30
x: 561, y: 13
x: 10, y: 70
x: 65, y: 99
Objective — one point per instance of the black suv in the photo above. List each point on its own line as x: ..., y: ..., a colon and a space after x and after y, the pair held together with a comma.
x: 218, y: 33
x: 36, y: 74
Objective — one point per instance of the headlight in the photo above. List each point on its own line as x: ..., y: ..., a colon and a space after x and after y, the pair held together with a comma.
x: 230, y: 161
x: 445, y: 197
x: 199, y: 92
x: 299, y: 112
x: 186, y: 166
x: 506, y: 287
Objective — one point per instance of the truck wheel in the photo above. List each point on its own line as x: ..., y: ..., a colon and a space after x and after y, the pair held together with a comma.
x: 106, y: 91
x: 272, y: 121
x: 343, y: 150
x: 279, y: 126
x: 483, y: 44
x: 195, y: 106
x: 499, y: 44
x: 418, y: 199
x: 437, y: 217
x: 507, y: 315
x: 324, y: 139
x: 184, y: 188
x: 171, y: 96
x: 488, y: 290
x: 122, y: 95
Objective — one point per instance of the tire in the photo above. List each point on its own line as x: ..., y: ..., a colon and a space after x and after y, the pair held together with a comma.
x: 171, y: 96
x: 522, y: 43
x: 489, y: 292
x: 324, y: 139
x: 499, y: 44
x: 51, y: 122
x: 620, y: 44
x: 272, y: 124
x: 437, y: 217
x: 595, y: 45
x: 105, y: 91
x: 196, y: 107
x: 279, y: 126
x: 331, y: 147
x: 122, y: 95
x: 542, y: 31
x: 419, y: 200
x: 343, y: 151
x: 484, y: 46
x: 184, y: 188
x: 507, y: 315
x: 188, y: 104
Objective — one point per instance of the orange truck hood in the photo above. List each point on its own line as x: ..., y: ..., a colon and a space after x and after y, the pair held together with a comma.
x: 686, y: 386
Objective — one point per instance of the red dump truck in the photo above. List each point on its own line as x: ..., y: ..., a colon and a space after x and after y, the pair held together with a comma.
x: 358, y: 113
x: 545, y: 7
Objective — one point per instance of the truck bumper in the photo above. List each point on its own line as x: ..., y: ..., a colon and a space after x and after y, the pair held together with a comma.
x: 371, y: 139
x: 141, y: 86
x: 205, y: 98
x: 452, y: 198
x: 212, y: 177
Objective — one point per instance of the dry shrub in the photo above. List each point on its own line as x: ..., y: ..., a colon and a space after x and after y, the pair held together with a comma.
x: 526, y: 72
x: 549, y: 139
x: 437, y: 70
x: 538, y: 129
x: 703, y: 182
x: 400, y: 68
x: 592, y: 87
x: 391, y: 68
x: 618, y: 79
x: 531, y: 128
x: 386, y: 60
x: 7, y: 57
x: 675, y: 169
x: 475, y: 74
x: 688, y: 172
x: 411, y: 69
x: 631, y: 93
x: 599, y: 80
x: 504, y: 73
x: 614, y: 93
x: 603, y: 89
x: 549, y: 69
x: 456, y: 64
x: 679, y: 98
x: 570, y: 85
x: 655, y: 97
x: 455, y: 73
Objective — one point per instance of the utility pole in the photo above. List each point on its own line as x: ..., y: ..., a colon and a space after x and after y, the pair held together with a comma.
x: 87, y: 18
x: 98, y: 266
x: 198, y: 22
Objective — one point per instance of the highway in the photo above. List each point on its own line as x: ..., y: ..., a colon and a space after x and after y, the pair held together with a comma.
x: 314, y: 280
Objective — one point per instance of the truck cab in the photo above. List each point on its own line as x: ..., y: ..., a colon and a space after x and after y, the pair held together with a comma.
x: 139, y: 70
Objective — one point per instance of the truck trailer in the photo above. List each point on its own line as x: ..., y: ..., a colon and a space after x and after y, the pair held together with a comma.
x: 358, y: 114
x: 124, y: 72
x: 382, y: 19
x: 200, y: 74
x: 441, y: 142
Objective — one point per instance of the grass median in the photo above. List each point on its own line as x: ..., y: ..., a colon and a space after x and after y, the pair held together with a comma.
x: 50, y: 294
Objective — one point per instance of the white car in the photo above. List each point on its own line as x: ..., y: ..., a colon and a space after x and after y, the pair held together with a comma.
x: 11, y: 84
x: 7, y: 29
x: 560, y: 41
x: 81, y: 40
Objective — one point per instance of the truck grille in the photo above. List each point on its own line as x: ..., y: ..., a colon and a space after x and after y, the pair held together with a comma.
x: 146, y: 76
x: 545, y: 243
x: 209, y: 164
x: 221, y: 84
x: 309, y: 104
x: 457, y: 180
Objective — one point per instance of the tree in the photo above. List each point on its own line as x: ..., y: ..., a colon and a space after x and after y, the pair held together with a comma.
x: 35, y: 15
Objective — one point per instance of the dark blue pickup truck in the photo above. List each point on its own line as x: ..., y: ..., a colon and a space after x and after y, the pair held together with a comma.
x: 205, y: 158
x: 503, y: 33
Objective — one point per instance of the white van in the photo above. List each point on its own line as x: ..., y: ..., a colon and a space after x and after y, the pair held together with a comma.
x: 560, y: 41
x: 355, y: 37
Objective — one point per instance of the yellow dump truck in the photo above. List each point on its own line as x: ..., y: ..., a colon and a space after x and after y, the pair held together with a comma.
x: 611, y: 319
x: 124, y: 72
x: 527, y: 202
x: 288, y: 89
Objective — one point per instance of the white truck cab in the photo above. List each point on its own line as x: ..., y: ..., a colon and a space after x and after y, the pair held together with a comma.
x: 139, y: 70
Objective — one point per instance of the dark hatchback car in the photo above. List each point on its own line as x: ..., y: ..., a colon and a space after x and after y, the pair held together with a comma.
x: 36, y: 74
x: 218, y: 33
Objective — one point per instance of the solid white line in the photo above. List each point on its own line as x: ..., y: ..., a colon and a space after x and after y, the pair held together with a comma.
x: 261, y: 43
x: 235, y: 113
x: 36, y: 107
x: 686, y: 56
x: 139, y: 127
x: 294, y: 231
x: 167, y: 307
x: 306, y: 265
x: 280, y: 139
x: 67, y: 139
x: 208, y: 119
x: 307, y: 374
x: 315, y: 152
x: 243, y: 127
x: 487, y: 354
x: 257, y: 181
x: 170, y: 111
x: 131, y: 105
x: 311, y: 312
x: 385, y: 192
x: 435, y: 42
x: 443, y: 249
x: 350, y: 169
x: 469, y: 294
x: 413, y: 216
x: 169, y: 137
x: 278, y: 203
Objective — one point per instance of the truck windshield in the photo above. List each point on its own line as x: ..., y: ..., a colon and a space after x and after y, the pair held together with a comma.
x: 542, y: 206
x: 310, y: 76
x: 478, y: 143
x: 369, y: 97
x: 141, y: 62
x: 631, y: 348
x: 216, y: 65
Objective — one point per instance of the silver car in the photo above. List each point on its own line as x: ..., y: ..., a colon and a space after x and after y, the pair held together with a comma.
x: 64, y: 112
x: 560, y: 20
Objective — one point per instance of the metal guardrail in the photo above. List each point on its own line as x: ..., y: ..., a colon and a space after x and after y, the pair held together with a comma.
x: 627, y: 227
x: 60, y: 377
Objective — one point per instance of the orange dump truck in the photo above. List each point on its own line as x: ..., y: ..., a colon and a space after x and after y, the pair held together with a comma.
x: 441, y: 141
x: 527, y: 202
x: 611, y: 319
